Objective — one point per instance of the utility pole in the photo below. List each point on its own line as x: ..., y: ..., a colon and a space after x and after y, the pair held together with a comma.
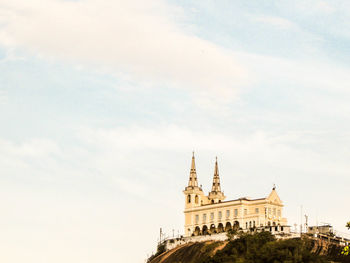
x: 160, y: 236
x: 301, y: 219
x: 306, y: 222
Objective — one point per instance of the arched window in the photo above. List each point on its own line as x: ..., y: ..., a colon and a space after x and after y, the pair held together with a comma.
x: 188, y: 199
x: 196, y: 199
x: 212, y: 201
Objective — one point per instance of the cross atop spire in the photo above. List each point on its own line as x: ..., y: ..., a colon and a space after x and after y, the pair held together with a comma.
x: 193, y: 174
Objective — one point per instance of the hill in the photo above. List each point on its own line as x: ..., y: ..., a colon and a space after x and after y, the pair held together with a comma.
x: 252, y: 248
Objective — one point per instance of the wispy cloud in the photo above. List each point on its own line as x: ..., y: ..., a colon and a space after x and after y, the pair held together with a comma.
x: 137, y: 41
x: 275, y: 21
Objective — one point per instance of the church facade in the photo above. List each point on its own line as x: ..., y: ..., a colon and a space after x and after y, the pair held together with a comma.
x: 209, y: 214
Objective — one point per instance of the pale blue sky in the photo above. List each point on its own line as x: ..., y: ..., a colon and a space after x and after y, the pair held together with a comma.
x: 102, y: 103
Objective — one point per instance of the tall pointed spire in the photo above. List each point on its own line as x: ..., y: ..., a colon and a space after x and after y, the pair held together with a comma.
x: 193, y: 174
x: 216, y: 179
x: 216, y: 195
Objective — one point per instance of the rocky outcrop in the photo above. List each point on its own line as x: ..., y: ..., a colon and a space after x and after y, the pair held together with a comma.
x: 190, y: 252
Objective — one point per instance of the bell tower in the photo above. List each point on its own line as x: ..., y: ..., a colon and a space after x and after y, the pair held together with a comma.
x: 193, y: 193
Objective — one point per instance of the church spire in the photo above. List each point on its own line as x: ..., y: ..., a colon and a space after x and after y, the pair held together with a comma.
x: 216, y: 195
x: 193, y: 174
x: 216, y: 179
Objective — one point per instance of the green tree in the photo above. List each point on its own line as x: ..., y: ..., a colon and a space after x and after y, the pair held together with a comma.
x: 346, y: 249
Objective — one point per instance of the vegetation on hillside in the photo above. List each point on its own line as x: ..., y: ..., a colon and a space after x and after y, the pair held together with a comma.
x: 262, y: 247
x: 160, y: 250
x: 254, y: 248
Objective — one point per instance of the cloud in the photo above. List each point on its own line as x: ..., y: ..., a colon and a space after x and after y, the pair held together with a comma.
x: 275, y: 21
x: 324, y: 7
x: 139, y: 42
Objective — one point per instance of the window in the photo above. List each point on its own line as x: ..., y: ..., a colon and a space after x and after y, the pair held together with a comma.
x: 257, y: 210
x: 274, y: 211
x: 211, y: 216
x: 253, y: 223
x: 189, y: 199
x: 196, y: 199
x: 204, y: 218
x: 236, y: 212
x: 269, y: 210
x: 197, y: 219
x: 246, y: 224
x: 245, y: 211
x: 227, y: 213
x: 279, y: 212
x: 220, y: 215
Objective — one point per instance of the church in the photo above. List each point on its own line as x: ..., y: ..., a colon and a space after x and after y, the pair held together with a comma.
x: 210, y: 214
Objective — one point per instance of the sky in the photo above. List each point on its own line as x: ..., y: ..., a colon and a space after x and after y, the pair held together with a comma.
x: 102, y: 103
